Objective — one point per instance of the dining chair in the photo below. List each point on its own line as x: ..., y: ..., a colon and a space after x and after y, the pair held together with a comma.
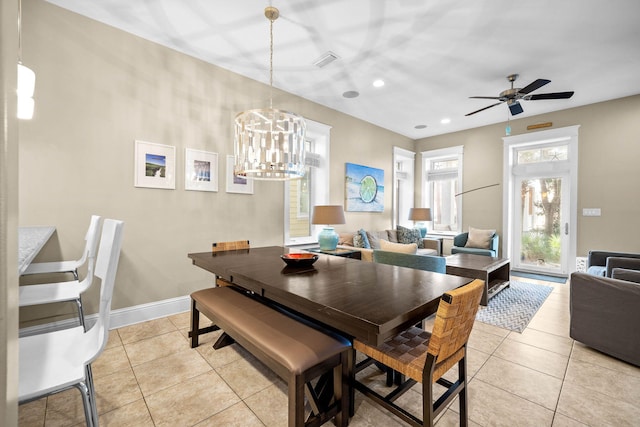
x: 91, y: 239
x: 425, y: 357
x: 218, y: 247
x: 228, y: 246
x: 48, y: 293
x: 55, y: 361
x: 437, y: 264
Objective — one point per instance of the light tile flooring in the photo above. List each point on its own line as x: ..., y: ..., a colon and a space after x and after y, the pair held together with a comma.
x: 149, y: 376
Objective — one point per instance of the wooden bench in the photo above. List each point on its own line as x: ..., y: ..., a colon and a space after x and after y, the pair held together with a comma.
x: 291, y: 347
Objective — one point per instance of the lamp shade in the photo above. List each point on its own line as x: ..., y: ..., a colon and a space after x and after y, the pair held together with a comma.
x: 420, y: 214
x: 329, y: 214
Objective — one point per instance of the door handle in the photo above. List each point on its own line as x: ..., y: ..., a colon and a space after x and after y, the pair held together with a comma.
x: 566, y: 228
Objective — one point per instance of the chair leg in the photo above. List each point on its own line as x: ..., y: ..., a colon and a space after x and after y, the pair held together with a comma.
x: 81, y: 313
x: 427, y: 403
x: 87, y: 404
x: 195, y: 324
x: 462, y: 396
x: 92, y: 394
x: 75, y: 274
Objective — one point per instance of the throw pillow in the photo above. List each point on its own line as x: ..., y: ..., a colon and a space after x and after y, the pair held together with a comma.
x: 357, y: 241
x: 479, y: 238
x: 409, y: 235
x: 365, y: 239
x: 410, y: 248
x: 374, y: 241
x: 345, y: 239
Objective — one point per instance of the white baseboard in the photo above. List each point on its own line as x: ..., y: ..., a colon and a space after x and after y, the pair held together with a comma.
x: 120, y: 317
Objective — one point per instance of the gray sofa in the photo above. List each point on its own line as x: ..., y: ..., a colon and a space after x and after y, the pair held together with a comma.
x: 605, y: 313
x: 601, y: 263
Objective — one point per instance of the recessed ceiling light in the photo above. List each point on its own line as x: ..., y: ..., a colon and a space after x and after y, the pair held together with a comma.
x: 445, y: 121
x: 351, y: 94
x: 420, y: 126
x: 378, y: 83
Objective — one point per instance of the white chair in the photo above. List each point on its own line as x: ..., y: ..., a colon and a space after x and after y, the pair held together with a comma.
x: 56, y: 361
x: 91, y: 244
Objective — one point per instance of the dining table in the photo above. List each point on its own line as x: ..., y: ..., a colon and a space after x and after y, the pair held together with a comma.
x: 31, y: 240
x: 361, y: 300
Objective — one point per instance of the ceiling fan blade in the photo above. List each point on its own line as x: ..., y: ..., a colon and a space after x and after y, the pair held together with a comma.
x: 485, y: 97
x: 554, y: 95
x: 515, y: 108
x: 534, y: 85
x: 482, y: 109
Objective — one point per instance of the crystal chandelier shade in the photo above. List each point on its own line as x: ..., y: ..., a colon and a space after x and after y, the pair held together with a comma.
x: 269, y: 143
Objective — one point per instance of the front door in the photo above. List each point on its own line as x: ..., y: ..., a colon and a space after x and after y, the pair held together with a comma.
x: 541, y: 238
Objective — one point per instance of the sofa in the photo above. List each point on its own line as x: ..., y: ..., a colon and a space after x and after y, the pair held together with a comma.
x: 437, y: 264
x: 602, y: 263
x: 605, y: 313
x: 476, y: 242
x: 393, y: 241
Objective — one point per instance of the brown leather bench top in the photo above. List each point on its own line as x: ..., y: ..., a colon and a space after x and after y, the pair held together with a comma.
x: 293, y: 344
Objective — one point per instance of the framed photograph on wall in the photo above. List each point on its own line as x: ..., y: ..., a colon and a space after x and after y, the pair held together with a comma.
x: 364, y: 188
x: 235, y: 183
x: 154, y: 165
x: 200, y: 170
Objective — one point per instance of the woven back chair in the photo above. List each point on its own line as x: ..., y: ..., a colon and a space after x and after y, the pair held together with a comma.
x: 228, y: 246
x: 217, y: 247
x: 420, y: 356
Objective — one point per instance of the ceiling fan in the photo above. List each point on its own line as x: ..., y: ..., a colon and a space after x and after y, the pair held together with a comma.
x: 514, y: 95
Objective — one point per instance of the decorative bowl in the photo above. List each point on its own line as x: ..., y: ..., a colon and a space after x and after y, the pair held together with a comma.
x: 299, y: 259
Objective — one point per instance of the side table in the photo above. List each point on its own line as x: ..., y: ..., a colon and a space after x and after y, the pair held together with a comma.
x: 494, y: 271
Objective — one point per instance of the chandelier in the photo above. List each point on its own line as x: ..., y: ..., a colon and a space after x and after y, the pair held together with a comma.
x: 269, y: 143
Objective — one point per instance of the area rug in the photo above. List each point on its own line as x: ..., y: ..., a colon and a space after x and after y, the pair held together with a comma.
x: 514, y: 307
x: 544, y: 277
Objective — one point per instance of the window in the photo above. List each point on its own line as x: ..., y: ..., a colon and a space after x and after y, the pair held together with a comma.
x: 403, y: 193
x: 301, y: 195
x: 442, y: 181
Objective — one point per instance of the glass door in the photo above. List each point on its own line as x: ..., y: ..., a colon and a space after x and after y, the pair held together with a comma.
x: 541, y: 223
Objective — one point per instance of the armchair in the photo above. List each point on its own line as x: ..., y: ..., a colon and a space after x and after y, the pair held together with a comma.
x: 598, y: 262
x: 460, y: 241
x: 604, y: 314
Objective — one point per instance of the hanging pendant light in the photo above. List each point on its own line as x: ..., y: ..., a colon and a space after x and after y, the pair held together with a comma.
x: 269, y: 143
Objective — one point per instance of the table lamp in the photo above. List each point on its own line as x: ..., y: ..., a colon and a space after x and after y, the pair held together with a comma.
x: 330, y: 214
x: 418, y: 216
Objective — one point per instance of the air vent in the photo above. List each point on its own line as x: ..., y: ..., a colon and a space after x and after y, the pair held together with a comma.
x: 326, y: 59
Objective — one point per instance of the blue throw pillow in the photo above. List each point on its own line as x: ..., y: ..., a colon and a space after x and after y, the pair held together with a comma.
x: 365, y: 239
x: 409, y: 235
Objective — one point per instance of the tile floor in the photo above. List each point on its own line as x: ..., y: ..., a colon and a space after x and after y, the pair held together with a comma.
x: 149, y: 376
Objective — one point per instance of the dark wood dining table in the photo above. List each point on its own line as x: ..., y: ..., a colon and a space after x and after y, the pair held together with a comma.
x: 368, y: 301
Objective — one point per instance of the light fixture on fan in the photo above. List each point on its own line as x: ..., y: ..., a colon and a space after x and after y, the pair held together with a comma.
x: 26, y: 82
x: 269, y: 143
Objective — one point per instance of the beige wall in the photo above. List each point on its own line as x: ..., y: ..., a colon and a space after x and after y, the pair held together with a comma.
x: 608, y: 171
x: 8, y: 217
x: 98, y: 90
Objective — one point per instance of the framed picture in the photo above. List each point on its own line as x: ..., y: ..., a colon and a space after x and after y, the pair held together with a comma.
x: 155, y: 165
x: 364, y: 188
x: 235, y: 183
x: 200, y: 170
